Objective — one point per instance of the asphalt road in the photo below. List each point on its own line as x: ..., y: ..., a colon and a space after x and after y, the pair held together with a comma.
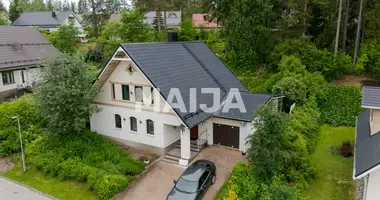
x: 14, y: 191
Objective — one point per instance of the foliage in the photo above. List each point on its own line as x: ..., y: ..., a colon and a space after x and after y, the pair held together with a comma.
x: 65, y: 94
x: 314, y: 59
x: 334, y: 180
x: 187, y: 32
x: 341, y: 106
x: 243, y: 185
x: 94, y: 54
x: 369, y: 60
x: 248, y: 27
x: 155, y: 22
x: 14, y: 12
x: 65, y: 38
x: 215, y: 41
x: 133, y: 27
x: 84, y: 157
x: 31, y: 124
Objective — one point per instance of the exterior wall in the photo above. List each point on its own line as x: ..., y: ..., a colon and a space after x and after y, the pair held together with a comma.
x: 103, y: 122
x: 372, y: 192
x: 245, y: 129
x: 76, y: 23
x: 14, y: 89
x: 375, y: 121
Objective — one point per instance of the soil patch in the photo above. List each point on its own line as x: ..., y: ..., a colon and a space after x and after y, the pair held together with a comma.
x: 139, y: 154
x: 6, y: 164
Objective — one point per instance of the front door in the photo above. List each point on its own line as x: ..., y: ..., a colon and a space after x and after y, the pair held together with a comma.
x: 194, y: 133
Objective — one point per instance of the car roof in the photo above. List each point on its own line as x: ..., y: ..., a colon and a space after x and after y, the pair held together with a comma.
x: 195, y: 170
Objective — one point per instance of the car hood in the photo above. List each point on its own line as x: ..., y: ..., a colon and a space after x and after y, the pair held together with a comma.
x: 178, y: 195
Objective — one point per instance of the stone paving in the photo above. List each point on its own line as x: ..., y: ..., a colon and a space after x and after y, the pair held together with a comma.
x: 157, y: 183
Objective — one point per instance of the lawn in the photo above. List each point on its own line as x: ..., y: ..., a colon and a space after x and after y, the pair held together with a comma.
x: 64, y: 190
x: 83, y: 47
x: 334, y: 180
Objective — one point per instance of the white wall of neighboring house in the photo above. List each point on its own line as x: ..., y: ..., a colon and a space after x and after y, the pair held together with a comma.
x: 372, y: 191
x: 30, y: 76
x: 76, y: 22
x: 103, y: 122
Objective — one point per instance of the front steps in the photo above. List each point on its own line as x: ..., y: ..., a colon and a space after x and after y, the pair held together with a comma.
x: 174, y: 155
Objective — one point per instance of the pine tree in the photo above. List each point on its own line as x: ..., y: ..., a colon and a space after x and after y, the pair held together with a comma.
x: 72, y: 5
x: 155, y: 21
x: 14, y: 12
x: 49, y: 5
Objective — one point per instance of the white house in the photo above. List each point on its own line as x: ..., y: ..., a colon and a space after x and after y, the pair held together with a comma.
x: 48, y: 20
x: 22, y: 50
x: 138, y: 107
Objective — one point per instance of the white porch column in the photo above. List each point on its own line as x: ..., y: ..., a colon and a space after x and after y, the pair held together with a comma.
x: 185, y: 147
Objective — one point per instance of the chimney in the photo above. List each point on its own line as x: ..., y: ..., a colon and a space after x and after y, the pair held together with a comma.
x: 53, y: 14
x: 172, y: 36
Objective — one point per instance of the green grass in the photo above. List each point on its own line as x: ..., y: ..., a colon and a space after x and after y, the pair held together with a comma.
x: 64, y: 190
x: 334, y: 179
x: 83, y: 47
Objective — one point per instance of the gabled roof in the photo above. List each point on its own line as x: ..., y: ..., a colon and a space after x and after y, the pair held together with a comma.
x: 42, y: 19
x: 371, y: 97
x: 23, y: 47
x: 367, y: 146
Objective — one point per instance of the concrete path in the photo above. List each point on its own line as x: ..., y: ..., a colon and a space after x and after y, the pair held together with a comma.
x: 15, y: 191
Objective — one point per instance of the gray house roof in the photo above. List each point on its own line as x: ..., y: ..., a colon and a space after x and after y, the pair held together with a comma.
x: 23, y: 47
x: 367, y: 146
x: 42, y: 19
x: 186, y: 65
x: 371, y: 97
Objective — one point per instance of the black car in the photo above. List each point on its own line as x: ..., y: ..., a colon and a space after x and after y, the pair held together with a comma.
x: 193, y: 181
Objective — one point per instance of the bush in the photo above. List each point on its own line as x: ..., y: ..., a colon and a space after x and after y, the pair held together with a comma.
x: 369, y: 60
x: 31, y: 124
x: 109, y: 185
x: 341, y: 106
x: 94, y: 54
x: 85, y: 156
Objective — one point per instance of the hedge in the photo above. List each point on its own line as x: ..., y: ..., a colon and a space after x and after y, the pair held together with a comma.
x: 85, y: 157
x: 341, y: 106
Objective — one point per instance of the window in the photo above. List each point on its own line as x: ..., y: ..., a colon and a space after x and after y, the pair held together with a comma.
x: 113, y: 91
x: 139, y: 93
x: 152, y: 94
x: 125, y: 90
x: 133, y: 122
x: 8, y: 77
x: 117, y: 121
x: 150, y: 127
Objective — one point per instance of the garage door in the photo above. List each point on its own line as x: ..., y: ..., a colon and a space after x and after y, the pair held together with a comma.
x: 226, y: 135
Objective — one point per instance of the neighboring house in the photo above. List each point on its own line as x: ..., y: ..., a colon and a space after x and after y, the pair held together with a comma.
x: 49, y: 20
x: 21, y: 52
x: 173, y: 18
x: 367, y: 144
x: 143, y: 76
x: 204, y: 21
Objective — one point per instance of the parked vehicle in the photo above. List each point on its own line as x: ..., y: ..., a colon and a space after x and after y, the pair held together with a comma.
x: 193, y: 181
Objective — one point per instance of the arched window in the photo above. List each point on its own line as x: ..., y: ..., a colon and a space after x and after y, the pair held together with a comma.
x: 117, y: 121
x: 172, y: 15
x: 133, y: 122
x: 150, y: 127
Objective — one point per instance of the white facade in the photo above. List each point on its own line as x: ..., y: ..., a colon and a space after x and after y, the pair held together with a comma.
x: 372, y: 185
x: 168, y: 127
x: 30, y: 76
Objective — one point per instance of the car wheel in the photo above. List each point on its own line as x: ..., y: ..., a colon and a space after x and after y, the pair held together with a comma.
x: 213, y: 179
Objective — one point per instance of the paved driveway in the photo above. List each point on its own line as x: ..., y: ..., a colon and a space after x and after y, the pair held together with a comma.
x: 14, y: 191
x: 157, y: 183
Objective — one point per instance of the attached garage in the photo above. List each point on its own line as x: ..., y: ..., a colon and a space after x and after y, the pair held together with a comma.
x: 226, y: 135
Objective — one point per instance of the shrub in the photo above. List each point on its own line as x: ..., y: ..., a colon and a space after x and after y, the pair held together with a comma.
x: 346, y: 149
x: 86, y: 156
x: 94, y: 54
x: 341, y: 106
x: 31, y: 124
x: 369, y: 60
x: 109, y: 185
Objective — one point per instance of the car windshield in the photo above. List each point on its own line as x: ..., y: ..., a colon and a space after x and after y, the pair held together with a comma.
x: 187, y: 186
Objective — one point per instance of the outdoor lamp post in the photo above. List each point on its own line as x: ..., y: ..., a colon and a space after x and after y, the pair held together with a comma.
x: 22, y: 148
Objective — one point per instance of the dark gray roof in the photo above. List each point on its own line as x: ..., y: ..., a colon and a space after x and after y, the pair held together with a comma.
x: 371, y: 96
x: 186, y: 65
x: 367, y: 146
x: 41, y: 19
x: 23, y: 47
